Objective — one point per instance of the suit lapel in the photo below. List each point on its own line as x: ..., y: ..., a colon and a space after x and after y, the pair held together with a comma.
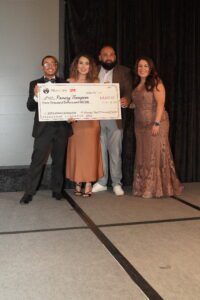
x: 115, y: 75
x: 41, y: 80
x: 57, y: 80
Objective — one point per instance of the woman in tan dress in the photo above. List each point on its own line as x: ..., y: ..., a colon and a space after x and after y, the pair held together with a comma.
x: 154, y: 174
x: 84, y: 161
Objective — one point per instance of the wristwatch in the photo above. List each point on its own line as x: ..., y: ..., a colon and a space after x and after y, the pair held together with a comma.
x: 157, y: 123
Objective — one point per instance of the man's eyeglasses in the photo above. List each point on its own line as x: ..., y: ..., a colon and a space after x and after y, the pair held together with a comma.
x: 47, y: 65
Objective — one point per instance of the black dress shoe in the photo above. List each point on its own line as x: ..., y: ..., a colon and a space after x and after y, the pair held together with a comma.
x: 57, y: 195
x: 26, y: 199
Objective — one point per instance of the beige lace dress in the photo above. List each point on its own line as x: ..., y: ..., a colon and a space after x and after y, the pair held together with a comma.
x: 154, y: 171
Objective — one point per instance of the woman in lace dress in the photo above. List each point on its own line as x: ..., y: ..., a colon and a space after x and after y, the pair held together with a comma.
x: 84, y: 160
x: 154, y: 174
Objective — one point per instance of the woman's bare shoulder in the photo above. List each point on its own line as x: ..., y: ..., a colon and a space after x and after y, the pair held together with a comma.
x: 159, y: 88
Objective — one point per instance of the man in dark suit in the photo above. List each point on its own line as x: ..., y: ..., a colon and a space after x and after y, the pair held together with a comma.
x: 112, y: 130
x: 50, y: 138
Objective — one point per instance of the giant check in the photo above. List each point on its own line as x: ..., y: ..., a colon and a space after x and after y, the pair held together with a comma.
x: 85, y: 101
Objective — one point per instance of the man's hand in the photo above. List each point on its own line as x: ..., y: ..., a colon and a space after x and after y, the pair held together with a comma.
x: 71, y: 120
x: 124, y: 102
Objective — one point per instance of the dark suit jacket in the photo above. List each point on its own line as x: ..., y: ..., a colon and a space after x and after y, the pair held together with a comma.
x: 40, y: 127
x: 123, y: 76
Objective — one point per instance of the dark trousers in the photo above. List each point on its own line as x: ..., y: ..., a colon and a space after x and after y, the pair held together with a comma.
x: 53, y: 142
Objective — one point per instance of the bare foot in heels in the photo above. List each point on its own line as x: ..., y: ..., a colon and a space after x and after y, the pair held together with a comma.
x: 88, y: 190
x: 77, y: 191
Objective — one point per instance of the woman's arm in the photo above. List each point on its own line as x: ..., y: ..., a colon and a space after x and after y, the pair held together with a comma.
x: 159, y: 94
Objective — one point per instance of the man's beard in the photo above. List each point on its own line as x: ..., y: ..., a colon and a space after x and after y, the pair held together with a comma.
x: 108, y: 65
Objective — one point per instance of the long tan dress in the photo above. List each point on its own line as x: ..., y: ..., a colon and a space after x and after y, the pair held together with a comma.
x: 84, y: 160
x: 154, y: 167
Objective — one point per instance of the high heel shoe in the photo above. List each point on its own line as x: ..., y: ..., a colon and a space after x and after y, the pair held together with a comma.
x: 88, y: 186
x: 77, y: 191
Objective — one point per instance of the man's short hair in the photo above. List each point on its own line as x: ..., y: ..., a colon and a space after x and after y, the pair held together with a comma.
x: 105, y: 46
x: 49, y: 56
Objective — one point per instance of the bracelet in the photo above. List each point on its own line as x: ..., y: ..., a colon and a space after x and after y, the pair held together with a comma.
x: 157, y: 123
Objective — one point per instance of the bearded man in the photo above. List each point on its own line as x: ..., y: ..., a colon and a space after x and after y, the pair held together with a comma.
x: 112, y: 130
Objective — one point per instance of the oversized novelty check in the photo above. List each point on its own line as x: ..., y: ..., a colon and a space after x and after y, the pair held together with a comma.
x: 85, y: 101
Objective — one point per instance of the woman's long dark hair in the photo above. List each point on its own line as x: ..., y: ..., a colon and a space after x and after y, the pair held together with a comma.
x: 92, y: 75
x: 152, y: 79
